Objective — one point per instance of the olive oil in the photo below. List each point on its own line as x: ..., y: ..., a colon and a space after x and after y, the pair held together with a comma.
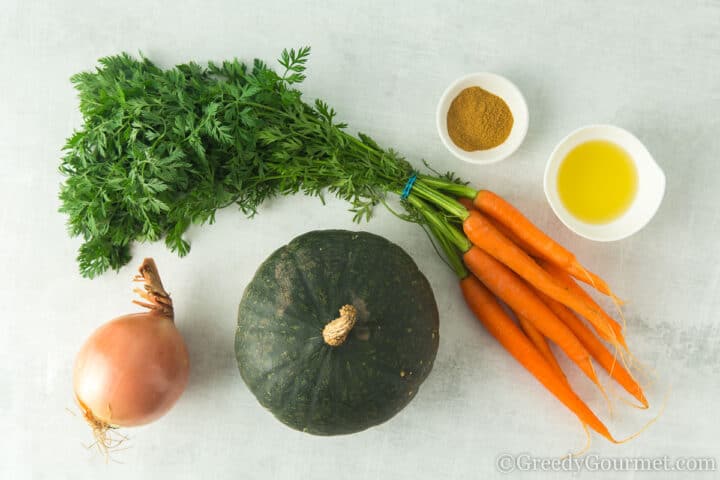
x: 597, y: 181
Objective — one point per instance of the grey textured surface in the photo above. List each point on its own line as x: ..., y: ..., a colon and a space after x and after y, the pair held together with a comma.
x: 649, y: 66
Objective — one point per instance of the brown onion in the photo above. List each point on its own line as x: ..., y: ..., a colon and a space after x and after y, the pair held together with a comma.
x: 134, y: 368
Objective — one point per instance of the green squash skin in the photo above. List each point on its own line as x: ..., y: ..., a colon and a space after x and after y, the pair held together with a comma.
x: 323, y: 390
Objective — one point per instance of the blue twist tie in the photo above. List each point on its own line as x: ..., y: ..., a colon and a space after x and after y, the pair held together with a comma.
x: 408, y: 186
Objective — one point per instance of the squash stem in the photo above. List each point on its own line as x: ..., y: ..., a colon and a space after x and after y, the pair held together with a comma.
x: 337, y: 331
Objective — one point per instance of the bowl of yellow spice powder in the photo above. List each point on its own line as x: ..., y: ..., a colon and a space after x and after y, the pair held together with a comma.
x: 482, y: 118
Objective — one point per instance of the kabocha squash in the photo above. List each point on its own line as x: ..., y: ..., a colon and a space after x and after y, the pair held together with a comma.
x: 326, y: 375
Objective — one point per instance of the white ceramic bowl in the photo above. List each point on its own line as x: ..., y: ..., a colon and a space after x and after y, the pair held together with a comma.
x: 650, y: 189
x: 497, y: 85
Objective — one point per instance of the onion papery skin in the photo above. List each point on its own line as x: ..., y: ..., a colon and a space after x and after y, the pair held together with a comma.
x: 131, y: 370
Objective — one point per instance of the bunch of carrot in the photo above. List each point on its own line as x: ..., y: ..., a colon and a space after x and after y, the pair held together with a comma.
x: 501, y: 257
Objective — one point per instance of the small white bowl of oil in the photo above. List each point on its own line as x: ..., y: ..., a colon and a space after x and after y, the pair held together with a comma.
x: 602, y: 183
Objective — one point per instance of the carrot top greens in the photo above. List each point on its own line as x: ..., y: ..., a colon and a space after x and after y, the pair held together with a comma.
x: 160, y: 150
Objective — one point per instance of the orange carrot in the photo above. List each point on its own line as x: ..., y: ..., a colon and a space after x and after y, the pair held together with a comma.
x: 485, y: 236
x: 566, y: 281
x: 588, y: 277
x: 596, y: 348
x: 547, y: 248
x: 498, y: 323
x: 541, y: 344
x: 467, y: 203
x: 521, y: 298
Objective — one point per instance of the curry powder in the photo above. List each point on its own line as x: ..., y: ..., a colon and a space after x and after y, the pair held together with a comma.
x: 478, y: 120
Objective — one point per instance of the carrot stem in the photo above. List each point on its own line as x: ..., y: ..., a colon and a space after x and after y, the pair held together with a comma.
x: 451, y: 188
x: 439, y: 225
x: 449, y: 238
x: 439, y: 199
